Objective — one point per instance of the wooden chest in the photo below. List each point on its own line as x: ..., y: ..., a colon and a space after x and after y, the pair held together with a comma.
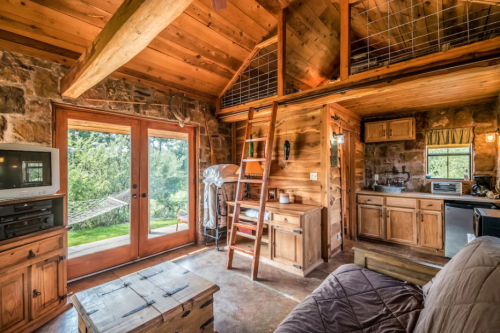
x: 162, y: 298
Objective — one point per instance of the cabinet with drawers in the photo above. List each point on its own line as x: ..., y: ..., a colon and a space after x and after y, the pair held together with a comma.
x: 404, y: 220
x: 291, y: 239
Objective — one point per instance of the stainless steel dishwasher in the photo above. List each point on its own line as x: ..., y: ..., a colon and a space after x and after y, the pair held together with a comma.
x: 459, y: 221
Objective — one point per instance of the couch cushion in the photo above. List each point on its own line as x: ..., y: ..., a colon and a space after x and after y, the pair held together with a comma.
x: 465, y: 295
x: 354, y: 299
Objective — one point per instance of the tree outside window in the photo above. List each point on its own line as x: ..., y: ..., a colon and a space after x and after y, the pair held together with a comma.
x: 449, y: 162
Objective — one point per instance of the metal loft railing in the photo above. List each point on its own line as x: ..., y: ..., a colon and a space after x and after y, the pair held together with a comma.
x: 398, y: 30
x: 258, y: 80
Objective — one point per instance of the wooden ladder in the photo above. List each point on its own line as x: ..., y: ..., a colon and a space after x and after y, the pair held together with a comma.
x: 261, y: 205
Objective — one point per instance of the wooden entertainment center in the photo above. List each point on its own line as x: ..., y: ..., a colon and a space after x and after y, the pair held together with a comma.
x: 33, y: 281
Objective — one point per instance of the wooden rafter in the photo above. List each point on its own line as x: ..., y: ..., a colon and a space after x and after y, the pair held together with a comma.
x: 257, y: 48
x: 345, y: 41
x: 134, y: 25
x: 282, y: 52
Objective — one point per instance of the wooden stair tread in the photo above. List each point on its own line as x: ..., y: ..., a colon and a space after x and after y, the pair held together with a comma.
x: 257, y: 139
x: 247, y: 225
x: 255, y: 159
x: 252, y: 181
x: 260, y: 120
x: 265, y: 239
x: 248, y: 203
x: 242, y: 249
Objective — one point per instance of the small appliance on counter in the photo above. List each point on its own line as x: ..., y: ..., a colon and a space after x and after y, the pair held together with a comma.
x: 446, y: 188
x: 486, y: 222
x: 482, y: 185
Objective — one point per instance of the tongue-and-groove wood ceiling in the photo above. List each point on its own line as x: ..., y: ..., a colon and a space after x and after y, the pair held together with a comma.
x: 198, y: 53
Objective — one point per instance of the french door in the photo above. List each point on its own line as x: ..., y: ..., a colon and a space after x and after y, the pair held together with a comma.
x: 129, y: 185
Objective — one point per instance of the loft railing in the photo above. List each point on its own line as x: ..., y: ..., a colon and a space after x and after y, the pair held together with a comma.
x: 392, y: 31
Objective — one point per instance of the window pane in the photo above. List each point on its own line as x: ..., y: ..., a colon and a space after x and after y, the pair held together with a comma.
x: 459, y: 165
x: 437, y: 166
x: 433, y: 151
x: 459, y: 150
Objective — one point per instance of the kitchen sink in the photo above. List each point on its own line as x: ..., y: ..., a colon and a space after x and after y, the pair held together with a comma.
x: 389, y: 189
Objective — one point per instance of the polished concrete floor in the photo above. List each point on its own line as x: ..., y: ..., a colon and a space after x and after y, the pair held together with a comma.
x: 241, y: 305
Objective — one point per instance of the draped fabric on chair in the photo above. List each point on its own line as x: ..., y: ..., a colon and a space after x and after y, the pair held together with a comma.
x: 454, y: 136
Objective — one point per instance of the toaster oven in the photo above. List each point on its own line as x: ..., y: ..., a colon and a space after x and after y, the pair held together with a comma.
x: 446, y: 188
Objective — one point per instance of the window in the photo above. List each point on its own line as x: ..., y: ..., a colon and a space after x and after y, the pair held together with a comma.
x: 449, y: 162
x: 33, y: 172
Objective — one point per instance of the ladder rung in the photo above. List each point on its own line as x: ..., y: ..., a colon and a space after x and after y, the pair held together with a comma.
x: 252, y: 181
x: 254, y: 159
x: 241, y: 249
x: 246, y: 225
x: 259, y: 120
x: 248, y: 203
x: 257, y: 139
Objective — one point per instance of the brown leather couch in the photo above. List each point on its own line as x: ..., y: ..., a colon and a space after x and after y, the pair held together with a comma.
x: 464, y: 296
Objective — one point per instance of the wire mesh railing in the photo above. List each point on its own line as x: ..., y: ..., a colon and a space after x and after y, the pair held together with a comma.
x: 259, y: 79
x: 391, y: 31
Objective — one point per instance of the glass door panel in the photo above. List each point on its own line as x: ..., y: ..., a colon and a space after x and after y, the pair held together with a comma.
x: 99, y: 179
x: 167, y: 189
x: 168, y: 182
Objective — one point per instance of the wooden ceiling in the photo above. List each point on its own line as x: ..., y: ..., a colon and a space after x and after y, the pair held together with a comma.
x: 198, y: 53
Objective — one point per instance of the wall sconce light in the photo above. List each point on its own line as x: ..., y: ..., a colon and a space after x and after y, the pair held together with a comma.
x: 2, y: 159
x: 338, y: 137
x: 491, y: 136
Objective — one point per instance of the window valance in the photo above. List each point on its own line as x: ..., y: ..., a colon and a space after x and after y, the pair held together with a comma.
x: 454, y: 136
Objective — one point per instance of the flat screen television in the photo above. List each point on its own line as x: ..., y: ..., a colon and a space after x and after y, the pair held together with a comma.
x: 28, y: 171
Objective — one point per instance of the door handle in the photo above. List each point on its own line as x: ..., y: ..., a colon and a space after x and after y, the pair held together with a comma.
x: 31, y: 254
x: 134, y: 196
x: 36, y: 293
x: 144, y: 195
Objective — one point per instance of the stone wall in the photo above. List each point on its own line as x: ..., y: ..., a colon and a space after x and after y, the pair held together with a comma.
x: 28, y: 85
x: 381, y: 157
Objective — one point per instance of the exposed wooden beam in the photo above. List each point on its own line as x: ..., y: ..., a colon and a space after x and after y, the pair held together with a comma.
x: 128, y: 32
x: 282, y: 52
x: 345, y: 41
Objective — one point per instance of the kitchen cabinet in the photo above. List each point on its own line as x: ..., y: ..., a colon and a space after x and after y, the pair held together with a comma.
x: 401, y: 225
x: 412, y: 221
x: 430, y: 229
x: 371, y: 221
x: 14, y: 300
x: 390, y: 130
x: 286, y: 245
x: 46, y: 285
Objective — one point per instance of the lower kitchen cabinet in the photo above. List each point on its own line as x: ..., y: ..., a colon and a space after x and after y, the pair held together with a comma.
x: 14, y: 300
x: 401, y: 225
x: 286, y: 244
x: 410, y: 221
x: 430, y: 229
x: 47, y: 286
x: 371, y: 221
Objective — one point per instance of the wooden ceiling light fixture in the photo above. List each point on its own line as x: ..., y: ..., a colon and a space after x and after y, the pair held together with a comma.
x: 219, y: 5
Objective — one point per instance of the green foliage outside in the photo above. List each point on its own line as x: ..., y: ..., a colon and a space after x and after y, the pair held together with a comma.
x: 84, y: 236
x: 99, y: 166
x: 443, y: 163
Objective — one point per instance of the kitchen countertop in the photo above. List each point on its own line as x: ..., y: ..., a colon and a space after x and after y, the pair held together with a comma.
x: 422, y: 195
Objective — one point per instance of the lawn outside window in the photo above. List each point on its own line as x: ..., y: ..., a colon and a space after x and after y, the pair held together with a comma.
x: 449, y: 162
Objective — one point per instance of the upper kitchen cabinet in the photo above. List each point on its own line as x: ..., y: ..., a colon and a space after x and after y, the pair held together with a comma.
x: 390, y: 130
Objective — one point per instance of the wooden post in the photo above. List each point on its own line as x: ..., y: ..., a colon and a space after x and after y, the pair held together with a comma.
x: 345, y: 41
x: 282, y: 52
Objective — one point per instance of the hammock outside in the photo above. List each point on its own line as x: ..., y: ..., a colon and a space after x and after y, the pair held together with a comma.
x: 79, y: 211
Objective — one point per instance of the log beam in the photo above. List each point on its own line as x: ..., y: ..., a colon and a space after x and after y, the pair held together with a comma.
x: 345, y: 41
x: 134, y: 25
x: 282, y: 52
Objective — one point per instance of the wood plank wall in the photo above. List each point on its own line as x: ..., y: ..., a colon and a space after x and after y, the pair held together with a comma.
x: 302, y: 129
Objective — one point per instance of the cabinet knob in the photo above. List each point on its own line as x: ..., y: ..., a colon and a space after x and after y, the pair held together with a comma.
x: 36, y: 293
x: 31, y: 254
x: 285, y: 220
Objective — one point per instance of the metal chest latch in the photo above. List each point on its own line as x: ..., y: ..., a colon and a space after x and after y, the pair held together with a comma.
x: 138, y: 309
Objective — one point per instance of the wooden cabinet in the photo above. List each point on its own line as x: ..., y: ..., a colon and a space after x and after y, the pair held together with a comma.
x: 430, y: 229
x: 410, y: 221
x: 46, y: 285
x: 376, y: 132
x: 402, y: 129
x: 401, y: 225
x: 371, y: 221
x: 286, y: 245
x: 292, y: 236
x: 390, y: 130
x: 14, y: 300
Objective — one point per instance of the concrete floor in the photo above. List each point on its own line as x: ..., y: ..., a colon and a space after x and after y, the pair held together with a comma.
x: 241, y: 305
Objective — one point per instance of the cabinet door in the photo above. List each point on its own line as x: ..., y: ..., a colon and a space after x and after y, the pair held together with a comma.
x: 14, y: 300
x: 401, y: 225
x: 430, y: 229
x: 287, y: 245
x: 46, y: 285
x: 371, y: 221
x: 402, y: 129
x: 375, y: 132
